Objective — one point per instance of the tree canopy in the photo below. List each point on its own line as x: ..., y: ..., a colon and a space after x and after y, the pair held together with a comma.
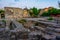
x: 51, y: 11
x: 34, y: 12
x: 2, y: 11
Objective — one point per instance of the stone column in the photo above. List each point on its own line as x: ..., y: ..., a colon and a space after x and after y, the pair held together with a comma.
x: 7, y: 24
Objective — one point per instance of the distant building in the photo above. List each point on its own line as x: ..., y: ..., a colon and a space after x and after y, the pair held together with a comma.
x: 26, y: 13
x: 15, y: 13
x: 44, y: 10
x: 41, y: 12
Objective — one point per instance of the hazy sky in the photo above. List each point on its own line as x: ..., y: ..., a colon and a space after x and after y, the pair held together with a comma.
x: 28, y: 3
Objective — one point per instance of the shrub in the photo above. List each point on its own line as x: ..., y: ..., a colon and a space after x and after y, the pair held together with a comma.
x: 4, y: 21
x: 50, y: 18
x: 22, y: 21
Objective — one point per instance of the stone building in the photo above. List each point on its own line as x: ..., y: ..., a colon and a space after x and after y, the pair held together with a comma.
x: 26, y: 13
x: 44, y: 10
x: 15, y: 13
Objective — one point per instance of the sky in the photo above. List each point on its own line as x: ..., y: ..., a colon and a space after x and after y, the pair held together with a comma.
x: 29, y: 3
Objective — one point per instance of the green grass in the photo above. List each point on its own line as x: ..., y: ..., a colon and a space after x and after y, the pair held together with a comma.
x: 50, y: 18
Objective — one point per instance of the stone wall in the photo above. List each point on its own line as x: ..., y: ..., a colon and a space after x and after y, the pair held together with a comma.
x: 15, y: 13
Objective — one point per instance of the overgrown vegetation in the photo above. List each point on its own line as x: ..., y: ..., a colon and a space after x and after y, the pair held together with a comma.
x: 34, y: 12
x: 50, y: 18
x: 2, y: 11
x: 4, y: 21
x: 51, y: 11
x: 22, y: 21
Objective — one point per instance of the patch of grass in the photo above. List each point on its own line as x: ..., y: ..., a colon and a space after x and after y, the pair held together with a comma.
x: 22, y: 21
x: 50, y: 18
x: 4, y: 21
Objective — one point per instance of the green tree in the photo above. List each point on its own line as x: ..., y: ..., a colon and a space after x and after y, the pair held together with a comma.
x: 58, y: 11
x: 46, y: 14
x: 51, y: 11
x: 50, y: 18
x: 2, y: 14
x: 34, y: 12
x: 2, y: 11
